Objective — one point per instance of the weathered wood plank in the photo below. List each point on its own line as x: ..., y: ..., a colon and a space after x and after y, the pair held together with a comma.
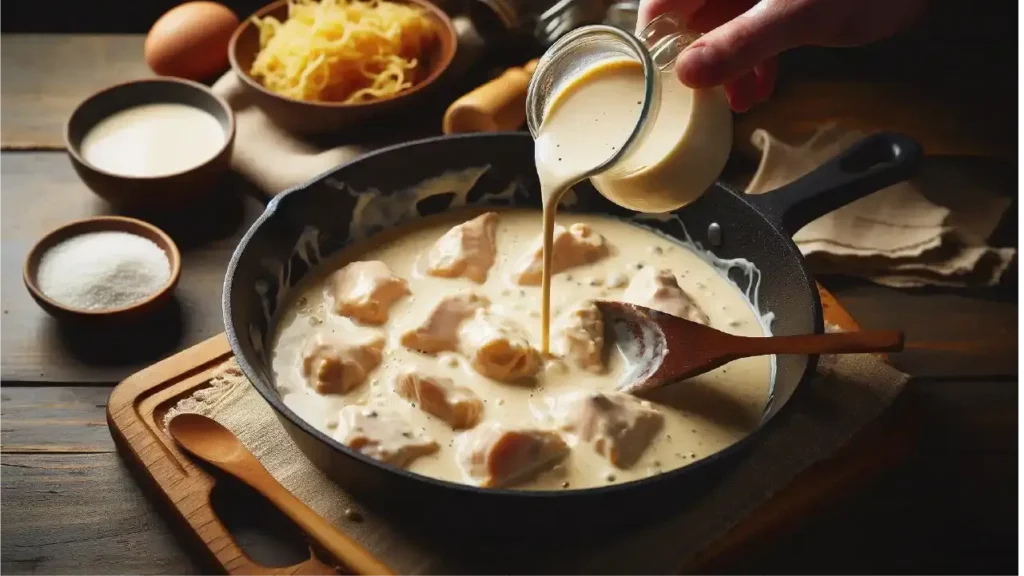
x: 46, y: 76
x: 41, y: 191
x: 54, y: 419
x: 81, y: 513
x: 948, y: 333
x: 948, y: 510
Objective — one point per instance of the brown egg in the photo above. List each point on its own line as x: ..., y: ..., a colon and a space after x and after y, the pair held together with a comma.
x: 191, y: 41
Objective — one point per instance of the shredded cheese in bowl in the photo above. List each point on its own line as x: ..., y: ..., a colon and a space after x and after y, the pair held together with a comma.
x: 346, y: 51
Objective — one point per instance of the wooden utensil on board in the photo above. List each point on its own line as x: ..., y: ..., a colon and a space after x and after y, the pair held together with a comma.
x: 661, y: 349
x: 497, y: 106
x: 208, y: 440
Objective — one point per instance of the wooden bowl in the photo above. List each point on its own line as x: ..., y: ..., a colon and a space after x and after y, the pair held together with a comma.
x: 315, y: 118
x: 134, y: 311
x: 139, y: 192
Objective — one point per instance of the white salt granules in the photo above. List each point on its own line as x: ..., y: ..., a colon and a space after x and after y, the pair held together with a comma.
x: 103, y: 270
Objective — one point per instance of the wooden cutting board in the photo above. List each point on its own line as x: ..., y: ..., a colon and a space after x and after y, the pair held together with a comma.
x: 137, y: 407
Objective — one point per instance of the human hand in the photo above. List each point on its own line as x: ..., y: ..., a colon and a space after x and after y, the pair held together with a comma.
x: 743, y: 37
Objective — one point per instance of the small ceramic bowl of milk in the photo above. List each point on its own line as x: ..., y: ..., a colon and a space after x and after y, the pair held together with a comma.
x: 152, y: 143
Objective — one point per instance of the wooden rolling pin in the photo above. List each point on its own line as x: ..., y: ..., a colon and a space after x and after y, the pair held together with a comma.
x: 498, y: 106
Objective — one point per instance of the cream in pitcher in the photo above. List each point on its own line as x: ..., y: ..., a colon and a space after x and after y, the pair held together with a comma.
x: 606, y: 105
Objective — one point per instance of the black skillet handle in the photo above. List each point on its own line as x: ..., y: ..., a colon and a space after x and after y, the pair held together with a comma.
x: 876, y: 162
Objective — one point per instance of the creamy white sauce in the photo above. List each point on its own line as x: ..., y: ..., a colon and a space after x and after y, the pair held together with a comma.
x: 679, y: 157
x: 701, y: 417
x: 153, y: 140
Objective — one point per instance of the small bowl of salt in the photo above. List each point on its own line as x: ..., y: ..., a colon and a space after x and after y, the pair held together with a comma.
x: 103, y: 268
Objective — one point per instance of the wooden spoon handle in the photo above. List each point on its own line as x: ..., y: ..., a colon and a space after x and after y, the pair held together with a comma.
x: 840, y: 343
x: 341, y: 547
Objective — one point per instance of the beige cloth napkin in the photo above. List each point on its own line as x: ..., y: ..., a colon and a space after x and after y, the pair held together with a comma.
x: 274, y: 160
x: 849, y: 392
x: 898, y: 236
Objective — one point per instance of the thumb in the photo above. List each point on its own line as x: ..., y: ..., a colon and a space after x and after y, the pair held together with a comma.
x: 738, y: 45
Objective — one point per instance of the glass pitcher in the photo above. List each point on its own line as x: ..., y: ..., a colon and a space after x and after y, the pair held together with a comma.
x: 682, y: 137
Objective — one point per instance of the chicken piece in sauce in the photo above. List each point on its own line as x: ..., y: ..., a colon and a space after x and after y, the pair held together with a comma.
x: 364, y: 291
x: 574, y: 246
x: 334, y: 366
x: 579, y: 337
x: 498, y: 348
x: 383, y: 435
x: 458, y: 406
x: 440, y: 332
x: 659, y: 290
x: 467, y: 250
x: 619, y: 426
x: 494, y: 455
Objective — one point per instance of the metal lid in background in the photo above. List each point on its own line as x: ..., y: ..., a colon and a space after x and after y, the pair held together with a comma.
x: 545, y: 20
x: 567, y: 15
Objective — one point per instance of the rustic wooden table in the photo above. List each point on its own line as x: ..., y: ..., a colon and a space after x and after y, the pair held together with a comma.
x: 71, y: 505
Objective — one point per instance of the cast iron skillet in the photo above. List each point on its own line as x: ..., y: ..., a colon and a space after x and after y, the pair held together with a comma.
x: 307, y: 224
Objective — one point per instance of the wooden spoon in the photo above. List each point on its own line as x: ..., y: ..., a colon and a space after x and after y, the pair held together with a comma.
x: 661, y: 349
x: 208, y: 440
